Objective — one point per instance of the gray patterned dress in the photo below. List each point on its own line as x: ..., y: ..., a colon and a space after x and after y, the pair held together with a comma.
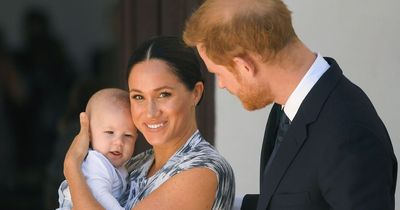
x: 194, y: 154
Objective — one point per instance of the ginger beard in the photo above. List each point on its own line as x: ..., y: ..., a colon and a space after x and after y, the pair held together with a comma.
x: 252, y: 96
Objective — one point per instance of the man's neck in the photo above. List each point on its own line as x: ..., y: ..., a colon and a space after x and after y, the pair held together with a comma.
x: 292, y: 64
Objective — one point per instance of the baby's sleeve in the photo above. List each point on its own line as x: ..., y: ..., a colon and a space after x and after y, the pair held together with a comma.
x: 100, y: 175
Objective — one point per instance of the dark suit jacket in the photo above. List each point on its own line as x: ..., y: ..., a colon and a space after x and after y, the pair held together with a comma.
x: 336, y: 154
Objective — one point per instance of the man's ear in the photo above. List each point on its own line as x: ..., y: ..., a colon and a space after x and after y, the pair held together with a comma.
x: 245, y: 63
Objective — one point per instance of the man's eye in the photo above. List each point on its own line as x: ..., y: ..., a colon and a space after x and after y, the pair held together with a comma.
x: 164, y: 94
x: 137, y: 97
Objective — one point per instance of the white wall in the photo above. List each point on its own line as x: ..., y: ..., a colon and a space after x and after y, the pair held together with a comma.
x: 363, y: 37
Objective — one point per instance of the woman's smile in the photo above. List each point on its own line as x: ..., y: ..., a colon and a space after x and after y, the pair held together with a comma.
x: 155, y: 125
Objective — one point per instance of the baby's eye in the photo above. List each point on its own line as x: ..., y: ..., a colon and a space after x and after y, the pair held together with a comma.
x: 109, y: 132
x: 128, y: 135
x: 164, y: 94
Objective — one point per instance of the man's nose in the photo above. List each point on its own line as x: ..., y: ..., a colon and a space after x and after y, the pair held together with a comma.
x: 220, y: 83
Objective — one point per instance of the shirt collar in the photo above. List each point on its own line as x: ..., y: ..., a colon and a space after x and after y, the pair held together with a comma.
x: 317, y: 69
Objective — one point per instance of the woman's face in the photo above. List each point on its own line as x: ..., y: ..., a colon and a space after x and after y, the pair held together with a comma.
x: 162, y: 108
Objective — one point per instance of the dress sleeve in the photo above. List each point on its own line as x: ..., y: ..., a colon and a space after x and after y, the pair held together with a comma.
x: 209, y: 158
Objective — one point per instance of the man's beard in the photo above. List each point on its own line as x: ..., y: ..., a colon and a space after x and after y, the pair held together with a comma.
x: 253, y: 98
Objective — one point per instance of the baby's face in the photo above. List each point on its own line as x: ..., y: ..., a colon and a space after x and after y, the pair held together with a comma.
x: 113, y: 134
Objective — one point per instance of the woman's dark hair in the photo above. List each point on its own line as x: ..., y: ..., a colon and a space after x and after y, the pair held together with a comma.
x: 181, y: 59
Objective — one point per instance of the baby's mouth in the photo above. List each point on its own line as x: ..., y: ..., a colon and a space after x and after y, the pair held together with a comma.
x: 116, y: 153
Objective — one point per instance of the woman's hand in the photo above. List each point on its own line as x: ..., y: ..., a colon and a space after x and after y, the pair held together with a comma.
x: 81, y: 195
x: 79, y: 147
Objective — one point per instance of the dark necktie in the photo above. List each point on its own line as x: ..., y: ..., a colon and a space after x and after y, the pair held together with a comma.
x: 284, y: 125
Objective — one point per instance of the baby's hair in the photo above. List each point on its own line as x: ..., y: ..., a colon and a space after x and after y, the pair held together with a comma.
x: 108, y: 95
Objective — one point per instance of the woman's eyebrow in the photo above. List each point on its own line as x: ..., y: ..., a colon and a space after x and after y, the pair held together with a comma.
x: 157, y: 89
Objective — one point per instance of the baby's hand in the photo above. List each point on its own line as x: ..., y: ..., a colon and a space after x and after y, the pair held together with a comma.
x: 79, y: 146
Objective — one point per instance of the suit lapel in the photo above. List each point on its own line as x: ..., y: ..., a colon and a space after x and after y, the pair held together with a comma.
x: 297, y: 133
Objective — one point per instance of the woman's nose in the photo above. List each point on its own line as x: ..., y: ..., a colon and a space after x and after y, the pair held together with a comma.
x: 152, y: 109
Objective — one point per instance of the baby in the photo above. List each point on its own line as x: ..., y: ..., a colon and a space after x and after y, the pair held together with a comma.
x: 113, y: 137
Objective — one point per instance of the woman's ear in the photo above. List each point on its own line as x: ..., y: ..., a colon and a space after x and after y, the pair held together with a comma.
x: 245, y: 64
x: 198, y: 92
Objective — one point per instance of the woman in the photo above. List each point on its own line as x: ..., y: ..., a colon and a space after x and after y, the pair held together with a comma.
x: 181, y: 171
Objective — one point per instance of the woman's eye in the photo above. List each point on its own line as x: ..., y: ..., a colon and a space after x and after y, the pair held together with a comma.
x: 164, y: 94
x: 137, y: 97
